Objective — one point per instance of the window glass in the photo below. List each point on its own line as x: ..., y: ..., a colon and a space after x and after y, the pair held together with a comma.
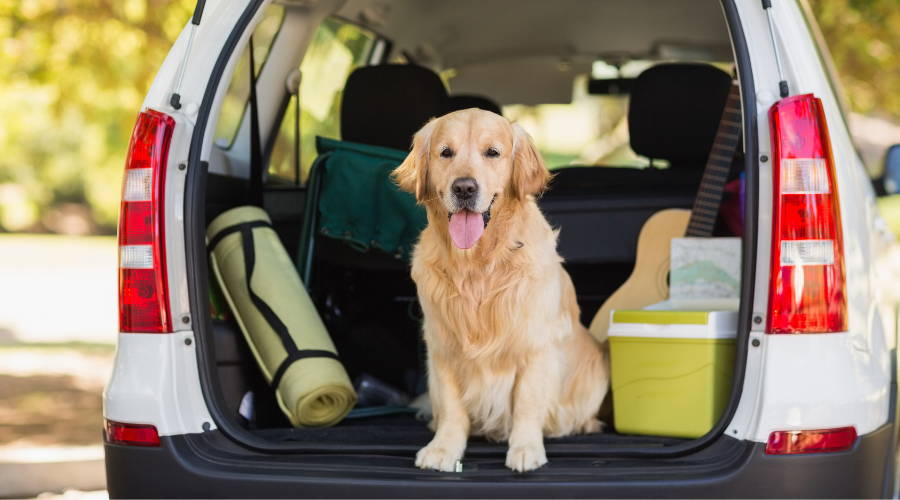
x: 337, y: 48
x: 591, y: 129
x: 235, y: 101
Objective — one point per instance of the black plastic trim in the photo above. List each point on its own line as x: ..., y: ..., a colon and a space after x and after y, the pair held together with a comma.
x: 198, y: 12
x: 750, y: 238
x: 194, y: 466
x: 197, y: 270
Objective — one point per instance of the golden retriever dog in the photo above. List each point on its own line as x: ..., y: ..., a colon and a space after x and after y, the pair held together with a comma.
x: 507, y: 356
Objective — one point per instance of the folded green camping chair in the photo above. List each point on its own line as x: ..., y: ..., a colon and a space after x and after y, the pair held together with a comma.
x: 360, y: 203
x: 351, y: 197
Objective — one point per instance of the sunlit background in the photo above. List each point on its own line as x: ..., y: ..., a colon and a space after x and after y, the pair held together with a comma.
x: 73, y: 74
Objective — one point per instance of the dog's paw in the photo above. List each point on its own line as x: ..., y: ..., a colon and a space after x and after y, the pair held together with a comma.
x: 526, y: 458
x: 437, y: 458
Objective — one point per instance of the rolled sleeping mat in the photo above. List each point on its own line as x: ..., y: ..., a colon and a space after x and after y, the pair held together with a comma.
x: 278, y: 319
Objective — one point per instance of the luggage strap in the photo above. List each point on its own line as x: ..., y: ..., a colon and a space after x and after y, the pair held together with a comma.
x: 255, y: 194
x: 293, y: 352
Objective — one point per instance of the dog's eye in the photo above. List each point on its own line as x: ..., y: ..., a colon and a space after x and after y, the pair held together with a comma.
x: 446, y: 152
x: 492, y: 152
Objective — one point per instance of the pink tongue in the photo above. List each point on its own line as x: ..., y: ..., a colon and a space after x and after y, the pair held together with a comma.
x: 465, y: 228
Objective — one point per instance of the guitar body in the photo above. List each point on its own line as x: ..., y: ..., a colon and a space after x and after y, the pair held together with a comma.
x: 648, y: 283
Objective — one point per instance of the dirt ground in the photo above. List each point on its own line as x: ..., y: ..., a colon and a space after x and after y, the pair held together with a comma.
x: 48, y: 410
x: 54, y: 362
x: 51, y: 396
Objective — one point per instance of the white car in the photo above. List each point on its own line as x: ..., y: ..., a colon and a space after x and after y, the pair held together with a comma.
x: 812, y: 405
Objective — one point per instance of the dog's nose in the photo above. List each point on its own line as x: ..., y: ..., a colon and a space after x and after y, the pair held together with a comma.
x: 464, y: 188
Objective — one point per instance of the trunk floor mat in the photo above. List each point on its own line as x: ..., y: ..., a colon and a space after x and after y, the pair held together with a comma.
x: 405, y: 433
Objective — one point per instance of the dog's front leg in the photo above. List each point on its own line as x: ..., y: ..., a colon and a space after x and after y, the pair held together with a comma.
x: 532, y: 397
x: 451, y: 419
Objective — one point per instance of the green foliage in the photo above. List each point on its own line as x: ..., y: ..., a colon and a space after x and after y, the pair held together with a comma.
x: 889, y: 208
x: 863, y: 37
x: 74, y: 75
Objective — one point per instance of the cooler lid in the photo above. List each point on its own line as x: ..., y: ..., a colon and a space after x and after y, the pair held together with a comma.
x: 673, y: 324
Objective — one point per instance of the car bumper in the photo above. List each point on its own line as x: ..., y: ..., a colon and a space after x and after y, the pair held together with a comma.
x: 181, y: 467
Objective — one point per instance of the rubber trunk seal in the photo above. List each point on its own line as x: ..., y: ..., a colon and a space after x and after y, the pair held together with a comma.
x: 198, y: 272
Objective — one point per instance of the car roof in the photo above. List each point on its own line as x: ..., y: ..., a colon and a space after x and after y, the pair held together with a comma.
x: 492, y: 45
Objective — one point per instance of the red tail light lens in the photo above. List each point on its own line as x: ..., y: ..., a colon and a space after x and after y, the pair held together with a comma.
x: 143, y: 285
x: 131, y: 434
x: 819, y: 441
x: 807, y: 288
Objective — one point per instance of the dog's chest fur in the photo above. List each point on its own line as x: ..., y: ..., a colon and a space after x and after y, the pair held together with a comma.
x: 488, y: 312
x: 482, y: 311
x: 482, y: 318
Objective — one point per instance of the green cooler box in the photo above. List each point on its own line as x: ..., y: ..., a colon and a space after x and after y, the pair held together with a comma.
x: 671, y: 370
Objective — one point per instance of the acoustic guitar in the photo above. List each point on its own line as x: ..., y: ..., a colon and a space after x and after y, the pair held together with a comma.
x: 648, y: 282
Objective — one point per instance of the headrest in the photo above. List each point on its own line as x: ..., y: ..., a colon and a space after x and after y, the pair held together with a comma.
x: 466, y: 101
x: 675, y: 110
x: 385, y: 105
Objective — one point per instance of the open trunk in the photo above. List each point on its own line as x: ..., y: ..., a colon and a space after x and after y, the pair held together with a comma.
x: 380, y: 337
x: 368, y: 301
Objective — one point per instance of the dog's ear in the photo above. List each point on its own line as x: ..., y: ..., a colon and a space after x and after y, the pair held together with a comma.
x: 529, y: 174
x: 412, y: 175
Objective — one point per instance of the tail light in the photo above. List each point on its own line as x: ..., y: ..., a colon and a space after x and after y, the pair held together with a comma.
x: 143, y: 285
x: 131, y: 434
x: 818, y: 441
x: 807, y: 288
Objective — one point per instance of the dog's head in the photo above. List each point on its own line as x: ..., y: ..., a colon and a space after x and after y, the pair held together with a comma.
x: 464, y: 162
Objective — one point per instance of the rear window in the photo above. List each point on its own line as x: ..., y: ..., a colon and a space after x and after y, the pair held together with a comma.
x: 235, y: 100
x: 591, y: 129
x: 338, y: 47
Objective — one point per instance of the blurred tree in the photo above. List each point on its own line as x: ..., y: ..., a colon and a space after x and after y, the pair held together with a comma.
x: 74, y: 74
x: 863, y: 37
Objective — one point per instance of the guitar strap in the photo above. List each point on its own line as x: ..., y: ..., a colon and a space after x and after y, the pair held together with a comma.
x: 718, y: 165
